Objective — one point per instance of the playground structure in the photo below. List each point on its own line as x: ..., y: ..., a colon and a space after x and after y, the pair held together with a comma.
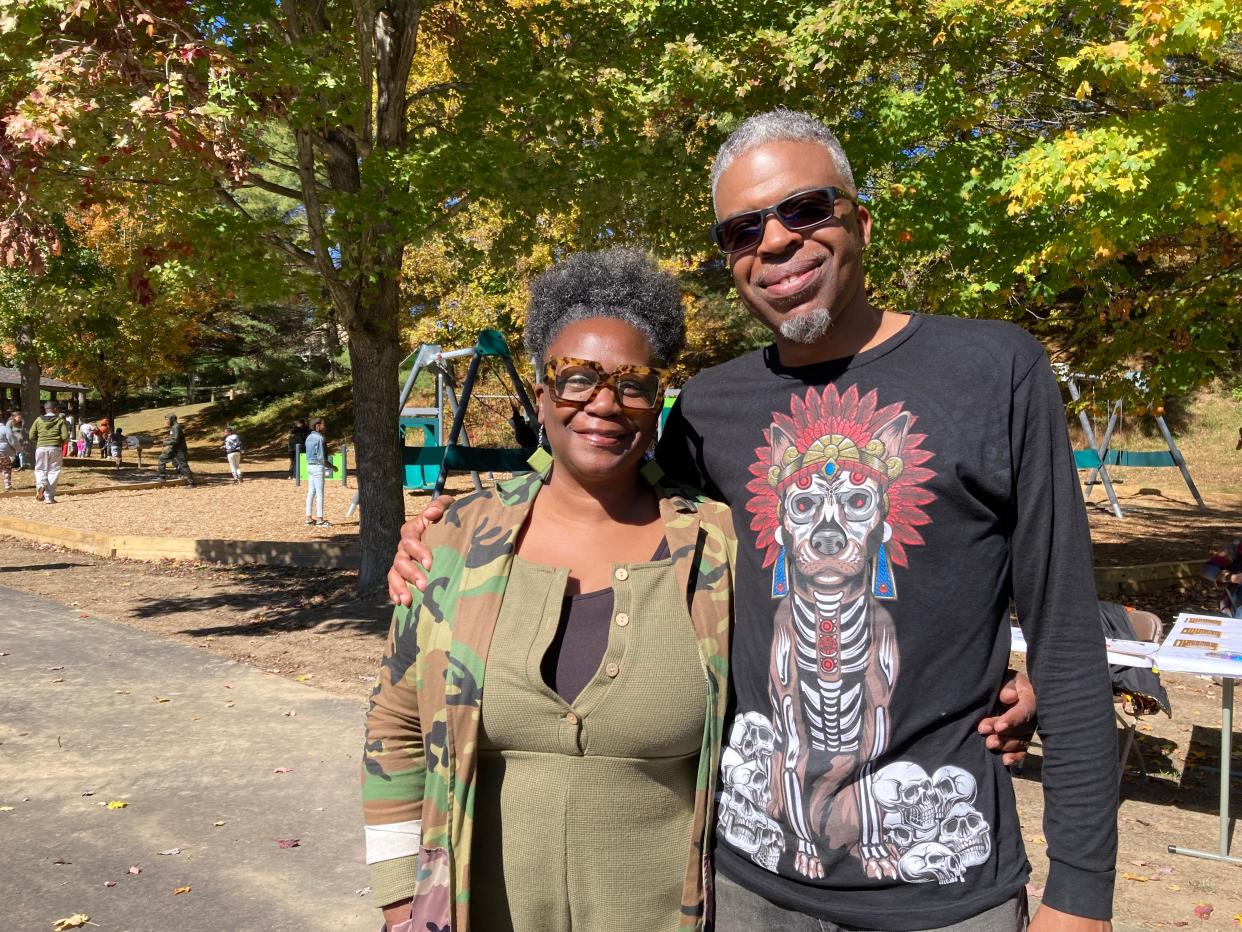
x: 442, y: 452
x: 1098, y: 457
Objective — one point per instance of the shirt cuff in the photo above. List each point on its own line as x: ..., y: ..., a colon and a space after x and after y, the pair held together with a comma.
x: 394, y: 880
x: 1080, y: 892
x: 393, y: 840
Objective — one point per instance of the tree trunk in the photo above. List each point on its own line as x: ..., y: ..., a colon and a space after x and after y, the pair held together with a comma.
x: 374, y: 353
x: 32, y: 372
x: 332, y: 340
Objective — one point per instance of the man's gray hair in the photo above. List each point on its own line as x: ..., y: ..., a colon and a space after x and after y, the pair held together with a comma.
x: 618, y: 283
x: 781, y: 125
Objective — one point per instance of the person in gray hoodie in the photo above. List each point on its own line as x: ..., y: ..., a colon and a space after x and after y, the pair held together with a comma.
x: 8, y: 453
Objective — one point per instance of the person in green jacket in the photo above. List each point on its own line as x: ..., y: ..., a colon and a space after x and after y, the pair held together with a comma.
x: 175, y: 451
x: 48, y: 434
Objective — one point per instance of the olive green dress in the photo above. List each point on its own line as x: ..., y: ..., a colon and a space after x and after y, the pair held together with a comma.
x: 584, y: 811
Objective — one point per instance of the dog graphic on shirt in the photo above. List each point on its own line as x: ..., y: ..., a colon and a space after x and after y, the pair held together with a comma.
x: 839, y: 491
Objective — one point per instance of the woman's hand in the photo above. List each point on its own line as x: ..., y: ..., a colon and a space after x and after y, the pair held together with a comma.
x: 1010, y: 732
x: 397, y: 916
x: 413, y: 559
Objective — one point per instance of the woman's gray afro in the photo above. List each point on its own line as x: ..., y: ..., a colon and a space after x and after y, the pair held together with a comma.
x: 623, y: 284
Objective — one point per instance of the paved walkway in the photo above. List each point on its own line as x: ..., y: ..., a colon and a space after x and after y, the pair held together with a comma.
x: 80, y: 713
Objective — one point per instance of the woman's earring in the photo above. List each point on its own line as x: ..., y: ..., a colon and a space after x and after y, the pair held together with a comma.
x: 542, y: 442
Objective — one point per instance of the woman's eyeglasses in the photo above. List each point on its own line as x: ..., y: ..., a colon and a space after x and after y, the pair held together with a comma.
x: 800, y: 211
x: 577, y: 381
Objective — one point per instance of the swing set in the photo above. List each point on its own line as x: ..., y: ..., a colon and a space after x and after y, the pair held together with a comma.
x: 1099, y: 457
x: 447, y: 448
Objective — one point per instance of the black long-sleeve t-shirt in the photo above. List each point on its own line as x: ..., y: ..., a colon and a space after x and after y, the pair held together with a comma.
x: 889, y: 507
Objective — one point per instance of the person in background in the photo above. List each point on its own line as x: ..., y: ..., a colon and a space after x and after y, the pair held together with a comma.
x: 86, y: 441
x: 17, y: 426
x: 175, y: 451
x: 103, y: 434
x: 316, y: 466
x: 297, y: 444
x: 48, y: 435
x: 8, y: 450
x: 233, y: 452
x: 1225, y: 569
x: 116, y: 444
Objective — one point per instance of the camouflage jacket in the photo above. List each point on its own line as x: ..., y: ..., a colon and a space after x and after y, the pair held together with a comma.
x: 419, y: 762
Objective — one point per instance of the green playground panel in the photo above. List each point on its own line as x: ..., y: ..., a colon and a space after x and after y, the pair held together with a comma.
x: 336, y: 459
x: 1149, y: 459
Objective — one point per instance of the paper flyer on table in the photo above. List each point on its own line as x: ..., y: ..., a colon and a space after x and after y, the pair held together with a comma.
x: 1208, y: 644
x: 1115, y: 646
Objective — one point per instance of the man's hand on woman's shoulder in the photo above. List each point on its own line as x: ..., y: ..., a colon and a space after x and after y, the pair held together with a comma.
x: 413, y: 559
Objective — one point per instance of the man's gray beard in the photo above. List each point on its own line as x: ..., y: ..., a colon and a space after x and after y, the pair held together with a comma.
x: 808, y: 327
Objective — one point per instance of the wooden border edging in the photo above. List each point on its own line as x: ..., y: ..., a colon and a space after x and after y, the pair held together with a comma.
x: 91, y: 490
x: 1146, y: 577
x: 309, y: 553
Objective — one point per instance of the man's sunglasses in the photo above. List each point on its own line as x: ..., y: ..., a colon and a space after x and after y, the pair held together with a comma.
x: 577, y: 381
x: 800, y: 211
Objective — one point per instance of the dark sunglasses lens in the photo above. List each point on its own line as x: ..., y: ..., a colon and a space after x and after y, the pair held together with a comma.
x: 806, y: 210
x: 740, y: 232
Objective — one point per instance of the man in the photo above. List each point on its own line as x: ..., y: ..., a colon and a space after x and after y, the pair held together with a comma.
x: 316, y: 464
x: 48, y: 435
x: 895, y: 480
x: 233, y: 452
x: 175, y: 451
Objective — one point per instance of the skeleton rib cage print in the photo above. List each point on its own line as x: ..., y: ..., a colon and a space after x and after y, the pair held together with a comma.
x: 838, y: 496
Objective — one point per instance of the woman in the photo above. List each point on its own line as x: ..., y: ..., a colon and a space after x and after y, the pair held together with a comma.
x: 548, y: 716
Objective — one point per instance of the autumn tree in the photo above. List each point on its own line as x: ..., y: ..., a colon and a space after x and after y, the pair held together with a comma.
x: 377, y: 121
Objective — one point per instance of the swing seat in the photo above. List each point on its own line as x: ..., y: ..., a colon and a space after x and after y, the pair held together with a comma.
x: 1141, y: 459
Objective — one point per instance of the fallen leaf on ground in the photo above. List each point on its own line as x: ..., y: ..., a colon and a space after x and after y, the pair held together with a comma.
x: 217, y: 824
x: 181, y: 890
x: 1237, y: 918
x: 59, y: 679
x: 121, y: 692
x: 61, y: 861
x: 283, y: 770
x: 1175, y: 888
x: 303, y: 678
x: 117, y: 804
x: 1125, y: 875
x: 288, y: 843
x: 171, y: 851
x: 134, y: 869
x: 162, y: 699
x: 290, y: 713
x: 364, y: 891
x: 54, y: 669
x: 109, y: 883
x: 88, y: 792
x: 1204, y: 910
x: 76, y: 921
x: 6, y: 808
x: 1037, y: 839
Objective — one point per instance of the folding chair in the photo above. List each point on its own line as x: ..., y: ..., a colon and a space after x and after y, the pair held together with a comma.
x: 1130, y: 708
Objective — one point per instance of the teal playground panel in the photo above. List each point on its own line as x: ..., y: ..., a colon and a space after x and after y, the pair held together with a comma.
x: 421, y: 470
x: 1136, y: 459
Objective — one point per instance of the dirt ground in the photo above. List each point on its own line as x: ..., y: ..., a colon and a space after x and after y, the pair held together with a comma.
x: 311, y: 625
